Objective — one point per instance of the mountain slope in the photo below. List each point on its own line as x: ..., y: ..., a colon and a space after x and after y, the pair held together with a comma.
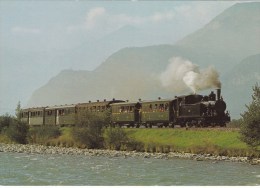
x: 238, y: 84
x: 228, y: 38
x: 133, y: 73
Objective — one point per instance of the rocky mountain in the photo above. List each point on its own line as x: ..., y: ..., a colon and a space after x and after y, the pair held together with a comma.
x: 229, y: 43
x: 238, y: 84
x: 228, y: 38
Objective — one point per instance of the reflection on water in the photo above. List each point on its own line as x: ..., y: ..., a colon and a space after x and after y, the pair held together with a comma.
x: 24, y: 169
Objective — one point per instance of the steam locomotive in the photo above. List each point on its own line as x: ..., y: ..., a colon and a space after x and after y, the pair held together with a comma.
x: 187, y: 110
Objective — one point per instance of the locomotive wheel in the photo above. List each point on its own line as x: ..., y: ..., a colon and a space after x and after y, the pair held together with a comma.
x: 189, y: 124
x: 146, y: 125
x: 171, y: 125
x: 166, y: 125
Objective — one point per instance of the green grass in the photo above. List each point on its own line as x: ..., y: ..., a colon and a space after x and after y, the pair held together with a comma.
x: 65, y: 139
x: 210, y: 141
x: 213, y: 141
x: 5, y: 139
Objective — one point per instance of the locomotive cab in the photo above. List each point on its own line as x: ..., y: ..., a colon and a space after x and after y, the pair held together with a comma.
x: 200, y: 110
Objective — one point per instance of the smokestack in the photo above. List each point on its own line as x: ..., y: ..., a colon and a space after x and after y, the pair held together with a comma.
x: 218, y: 93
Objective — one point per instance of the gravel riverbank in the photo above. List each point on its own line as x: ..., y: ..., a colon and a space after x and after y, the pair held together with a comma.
x: 40, y: 149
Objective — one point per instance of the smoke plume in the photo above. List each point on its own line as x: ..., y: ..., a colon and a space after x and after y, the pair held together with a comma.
x: 182, y: 74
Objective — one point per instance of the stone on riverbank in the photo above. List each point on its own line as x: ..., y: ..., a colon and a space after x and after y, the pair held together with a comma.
x: 40, y: 149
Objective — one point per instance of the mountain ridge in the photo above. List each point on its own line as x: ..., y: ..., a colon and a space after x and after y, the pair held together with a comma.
x: 133, y: 72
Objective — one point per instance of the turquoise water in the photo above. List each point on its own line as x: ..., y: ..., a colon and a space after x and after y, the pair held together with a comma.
x: 32, y: 169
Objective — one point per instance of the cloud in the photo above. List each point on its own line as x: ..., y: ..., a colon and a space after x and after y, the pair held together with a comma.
x: 201, y: 12
x: 25, y: 30
x: 163, y: 16
x: 100, y: 21
x: 94, y: 16
x: 100, y: 18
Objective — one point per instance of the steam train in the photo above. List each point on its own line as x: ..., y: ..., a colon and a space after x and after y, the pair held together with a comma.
x: 187, y: 110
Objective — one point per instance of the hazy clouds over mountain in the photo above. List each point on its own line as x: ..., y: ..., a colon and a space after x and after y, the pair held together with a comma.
x: 230, y: 42
x: 40, y: 39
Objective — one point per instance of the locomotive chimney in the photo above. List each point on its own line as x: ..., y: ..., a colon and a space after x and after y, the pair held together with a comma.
x: 218, y: 93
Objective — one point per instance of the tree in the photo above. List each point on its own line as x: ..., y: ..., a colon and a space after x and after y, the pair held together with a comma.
x: 5, y: 121
x: 115, y: 138
x: 89, y: 128
x: 250, y: 128
x: 18, y: 111
x: 17, y: 131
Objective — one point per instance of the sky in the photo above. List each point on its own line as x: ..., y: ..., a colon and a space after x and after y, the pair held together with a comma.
x: 37, y: 37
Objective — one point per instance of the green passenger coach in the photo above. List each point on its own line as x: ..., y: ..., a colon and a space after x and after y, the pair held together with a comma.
x: 127, y: 113
x: 158, y: 113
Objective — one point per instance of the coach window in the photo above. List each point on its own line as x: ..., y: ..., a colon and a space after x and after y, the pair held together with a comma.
x: 61, y: 112
x: 151, y: 107
x: 166, y: 106
x: 49, y: 113
x: 161, y: 108
x: 155, y: 107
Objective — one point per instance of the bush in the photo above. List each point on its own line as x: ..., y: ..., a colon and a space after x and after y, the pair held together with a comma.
x: 250, y: 129
x: 89, y: 128
x: 87, y: 137
x: 5, y: 121
x: 115, y: 138
x: 42, y: 134
x: 17, y: 131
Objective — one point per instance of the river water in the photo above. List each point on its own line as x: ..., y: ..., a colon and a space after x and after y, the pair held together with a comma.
x: 36, y: 169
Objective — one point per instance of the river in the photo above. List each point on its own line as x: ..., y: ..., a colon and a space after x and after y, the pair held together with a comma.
x: 38, y: 169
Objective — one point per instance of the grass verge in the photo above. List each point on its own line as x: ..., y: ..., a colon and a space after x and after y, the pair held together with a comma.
x: 210, y: 141
x: 198, y: 141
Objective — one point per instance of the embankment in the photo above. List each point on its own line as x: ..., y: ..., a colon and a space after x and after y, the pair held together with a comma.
x: 40, y: 149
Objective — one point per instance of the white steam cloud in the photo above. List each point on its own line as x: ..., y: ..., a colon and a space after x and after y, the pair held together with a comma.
x: 182, y: 74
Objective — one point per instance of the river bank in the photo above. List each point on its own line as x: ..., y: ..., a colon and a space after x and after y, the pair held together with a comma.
x: 40, y: 149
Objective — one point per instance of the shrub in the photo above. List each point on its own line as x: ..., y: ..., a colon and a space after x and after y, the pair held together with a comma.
x: 132, y: 145
x: 89, y: 128
x: 5, y: 121
x: 115, y: 138
x: 250, y: 129
x: 42, y: 134
x: 17, y: 131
